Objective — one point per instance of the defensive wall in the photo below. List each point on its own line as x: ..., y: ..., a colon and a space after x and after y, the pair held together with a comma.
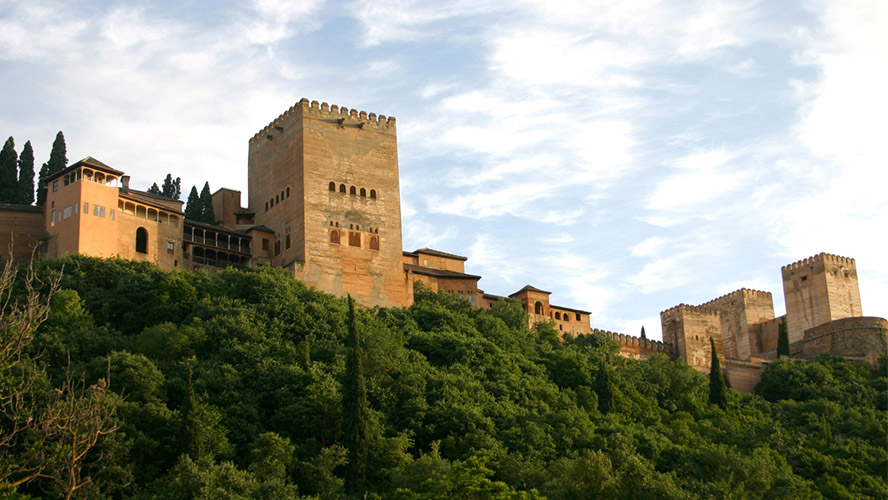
x: 637, y: 347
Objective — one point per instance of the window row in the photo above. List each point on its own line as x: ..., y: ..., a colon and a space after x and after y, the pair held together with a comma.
x: 355, y: 227
x: 354, y: 191
x: 277, y: 199
x: 84, y: 173
x: 148, y: 213
x: 565, y: 316
x: 72, y: 210
x: 354, y: 239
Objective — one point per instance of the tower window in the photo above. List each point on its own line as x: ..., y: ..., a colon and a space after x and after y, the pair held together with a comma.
x: 342, y: 188
x: 352, y: 191
x: 558, y: 315
x: 374, y: 243
x: 334, y: 237
x: 142, y: 240
x: 354, y: 239
x: 373, y: 193
x: 288, y: 241
x: 538, y: 308
x: 332, y: 186
x: 363, y: 192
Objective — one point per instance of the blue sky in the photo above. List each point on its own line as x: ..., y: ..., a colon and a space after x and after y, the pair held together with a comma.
x: 627, y: 156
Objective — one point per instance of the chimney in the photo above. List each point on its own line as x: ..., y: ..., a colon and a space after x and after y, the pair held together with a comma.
x: 124, y: 180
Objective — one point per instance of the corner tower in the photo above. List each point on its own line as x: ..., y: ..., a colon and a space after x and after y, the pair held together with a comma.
x: 324, y: 179
x: 818, y: 290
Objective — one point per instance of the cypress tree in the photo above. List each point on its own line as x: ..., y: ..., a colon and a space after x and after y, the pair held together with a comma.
x: 26, y: 175
x: 172, y: 188
x: 604, y: 387
x: 355, y: 409
x: 154, y: 189
x: 192, y: 207
x: 41, y: 184
x: 58, y: 159
x: 782, y: 339
x: 8, y: 177
x: 717, y: 392
x: 643, y: 336
x: 206, y: 205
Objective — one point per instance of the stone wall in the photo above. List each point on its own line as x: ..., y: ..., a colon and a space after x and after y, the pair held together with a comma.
x: 21, y: 227
x: 818, y: 290
x: 689, y: 328
x: 636, y: 347
x: 741, y: 311
x: 861, y: 338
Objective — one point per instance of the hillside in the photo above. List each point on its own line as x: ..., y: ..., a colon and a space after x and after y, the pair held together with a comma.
x: 230, y: 386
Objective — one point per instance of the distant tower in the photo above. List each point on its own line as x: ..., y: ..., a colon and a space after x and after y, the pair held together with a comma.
x: 688, y: 329
x: 818, y: 290
x: 324, y: 179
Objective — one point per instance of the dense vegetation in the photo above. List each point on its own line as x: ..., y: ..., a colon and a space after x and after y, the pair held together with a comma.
x: 231, y: 386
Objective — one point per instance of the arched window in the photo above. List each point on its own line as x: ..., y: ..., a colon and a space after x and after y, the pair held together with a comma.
x: 332, y: 186
x: 538, y: 308
x: 342, y: 188
x: 142, y: 240
x: 363, y: 192
x: 557, y: 315
x: 374, y: 243
x: 334, y: 237
x: 354, y: 239
x: 352, y: 190
x: 373, y: 193
x: 288, y: 191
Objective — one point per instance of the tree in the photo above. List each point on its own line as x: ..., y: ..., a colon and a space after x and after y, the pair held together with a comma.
x: 206, y: 205
x: 154, y: 189
x: 41, y: 184
x: 58, y: 159
x: 26, y: 175
x: 8, y: 177
x: 604, y: 387
x: 782, y: 339
x: 172, y: 188
x: 717, y: 391
x: 643, y: 336
x: 192, y: 206
x: 355, y: 409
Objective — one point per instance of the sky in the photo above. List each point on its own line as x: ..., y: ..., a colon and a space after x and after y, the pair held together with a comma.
x: 626, y: 156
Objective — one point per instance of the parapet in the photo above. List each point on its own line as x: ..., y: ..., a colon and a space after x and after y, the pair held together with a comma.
x: 738, y: 294
x: 325, y: 111
x: 681, y: 308
x: 626, y: 339
x: 821, y: 258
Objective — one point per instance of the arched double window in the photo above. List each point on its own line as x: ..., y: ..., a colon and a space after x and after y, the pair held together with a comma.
x: 538, y: 308
x: 334, y: 237
x: 142, y: 240
x: 374, y: 243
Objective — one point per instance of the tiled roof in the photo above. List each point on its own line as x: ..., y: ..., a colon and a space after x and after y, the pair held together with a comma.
x: 439, y: 273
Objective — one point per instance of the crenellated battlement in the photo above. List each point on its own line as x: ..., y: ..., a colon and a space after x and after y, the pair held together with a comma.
x: 702, y: 309
x: 626, y: 339
x: 323, y: 110
x: 821, y: 258
x: 743, y: 292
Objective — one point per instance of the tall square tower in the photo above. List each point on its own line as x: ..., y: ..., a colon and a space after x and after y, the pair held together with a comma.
x: 325, y: 180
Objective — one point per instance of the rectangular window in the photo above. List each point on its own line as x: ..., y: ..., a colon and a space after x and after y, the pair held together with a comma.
x: 76, y: 208
x: 277, y: 247
x: 68, y: 211
x: 98, y: 211
x: 578, y: 316
x: 55, y: 186
x: 288, y: 241
x: 264, y: 243
x: 354, y: 239
x: 112, y: 214
x: 170, y: 246
x: 85, y: 208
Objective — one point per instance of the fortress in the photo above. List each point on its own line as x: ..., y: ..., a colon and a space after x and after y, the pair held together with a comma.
x: 324, y: 202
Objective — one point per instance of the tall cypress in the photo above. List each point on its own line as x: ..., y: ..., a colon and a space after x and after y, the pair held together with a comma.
x: 58, y: 158
x: 604, y: 388
x: 206, y: 205
x: 717, y: 392
x: 643, y: 336
x: 172, y: 188
x: 782, y: 339
x: 26, y: 175
x: 154, y: 189
x: 41, y: 184
x: 355, y: 409
x: 192, y: 207
x: 8, y: 177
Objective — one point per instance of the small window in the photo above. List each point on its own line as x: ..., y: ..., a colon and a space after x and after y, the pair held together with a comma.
x: 354, y: 239
x: 288, y: 241
x: 538, y: 308
x: 282, y: 195
x: 342, y: 188
x: 373, y: 193
x: 804, y: 278
x: 332, y: 186
x: 277, y: 247
x: 85, y: 207
x: 334, y: 237
x: 141, y: 240
x: 112, y: 214
x: 264, y: 243
x: 352, y: 191
x: 76, y: 208
x: 55, y: 186
x: 363, y: 192
x: 171, y: 247
x: 98, y: 211
x: 374, y: 243
x: 558, y: 315
x: 578, y: 316
x: 277, y: 199
x: 67, y: 212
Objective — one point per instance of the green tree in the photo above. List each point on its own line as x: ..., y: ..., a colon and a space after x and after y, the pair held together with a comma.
x: 355, y: 409
x: 717, y: 391
x: 26, y: 175
x: 206, y: 205
x: 604, y: 387
x: 193, y: 206
x: 172, y: 188
x: 154, y: 189
x: 58, y: 158
x: 8, y: 177
x: 643, y: 336
x: 782, y: 339
x: 41, y: 184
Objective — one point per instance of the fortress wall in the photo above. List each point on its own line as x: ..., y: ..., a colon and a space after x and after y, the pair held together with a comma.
x: 860, y: 338
x: 769, y: 331
x: 741, y: 311
x: 744, y: 375
x: 636, y: 347
x: 689, y: 329
x: 21, y: 227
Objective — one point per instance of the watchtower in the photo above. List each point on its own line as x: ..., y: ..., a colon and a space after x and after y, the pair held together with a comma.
x: 818, y: 290
x: 325, y: 180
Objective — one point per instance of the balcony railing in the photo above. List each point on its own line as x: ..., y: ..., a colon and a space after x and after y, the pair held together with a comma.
x: 244, y: 247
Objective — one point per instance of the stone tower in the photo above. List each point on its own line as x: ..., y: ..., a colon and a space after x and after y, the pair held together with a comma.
x: 325, y: 180
x: 818, y: 290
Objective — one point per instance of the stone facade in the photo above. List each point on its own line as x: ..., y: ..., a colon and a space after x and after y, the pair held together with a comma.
x: 823, y: 314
